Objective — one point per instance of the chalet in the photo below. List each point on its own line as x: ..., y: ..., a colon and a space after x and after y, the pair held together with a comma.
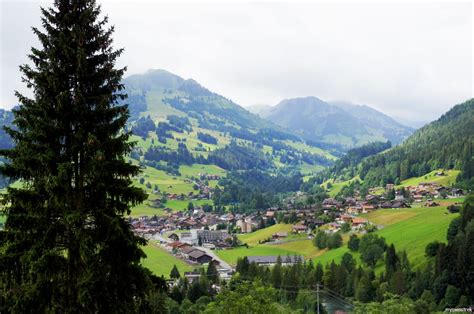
x: 333, y: 227
x: 350, y: 201
x: 357, y: 222
x: 367, y: 208
x: 175, y: 245
x: 272, y: 260
x: 418, y: 197
x: 371, y: 198
x: 186, y: 250
x: 299, y: 228
x: 199, y: 256
x: 354, y: 210
x: 280, y: 235
x: 400, y: 204
x: 346, y: 218
x: 330, y: 203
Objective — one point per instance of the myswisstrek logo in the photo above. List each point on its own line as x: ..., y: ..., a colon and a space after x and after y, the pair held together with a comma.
x: 459, y: 310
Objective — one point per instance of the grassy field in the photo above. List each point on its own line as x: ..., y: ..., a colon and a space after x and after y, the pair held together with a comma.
x: 262, y: 234
x: 196, y: 169
x: 160, y: 262
x: 408, y: 229
x: 231, y: 256
x: 176, y: 205
x: 446, y: 180
x: 307, y: 169
x: 310, y: 149
x: 337, y: 186
x: 303, y: 247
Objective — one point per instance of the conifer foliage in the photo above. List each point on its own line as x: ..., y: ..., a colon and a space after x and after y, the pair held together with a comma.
x: 66, y: 246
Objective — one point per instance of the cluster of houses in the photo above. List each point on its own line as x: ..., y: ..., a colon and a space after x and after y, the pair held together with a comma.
x: 179, y: 220
x: 340, y: 211
x: 189, y: 252
x: 191, y: 232
x: 430, y: 190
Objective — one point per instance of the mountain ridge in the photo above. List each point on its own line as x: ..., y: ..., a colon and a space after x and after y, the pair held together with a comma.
x: 340, y: 123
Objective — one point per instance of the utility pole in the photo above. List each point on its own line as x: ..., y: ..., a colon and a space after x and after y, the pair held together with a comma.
x: 317, y: 294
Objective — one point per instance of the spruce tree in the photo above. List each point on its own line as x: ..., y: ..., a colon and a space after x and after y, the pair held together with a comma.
x: 174, y: 274
x: 66, y: 245
x: 212, y: 273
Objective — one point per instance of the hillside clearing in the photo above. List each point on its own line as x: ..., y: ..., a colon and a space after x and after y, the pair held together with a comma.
x: 262, y: 234
x: 408, y: 229
x: 447, y: 180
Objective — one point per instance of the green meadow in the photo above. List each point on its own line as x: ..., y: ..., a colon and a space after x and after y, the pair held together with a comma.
x: 160, y: 262
x: 447, y: 180
x: 337, y: 186
x: 254, y: 237
x: 231, y: 256
x: 408, y: 229
x: 196, y: 169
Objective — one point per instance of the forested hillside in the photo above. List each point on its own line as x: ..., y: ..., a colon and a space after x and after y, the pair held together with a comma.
x: 182, y: 122
x: 445, y: 143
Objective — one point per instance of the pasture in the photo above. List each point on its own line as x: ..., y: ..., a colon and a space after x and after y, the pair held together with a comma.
x: 160, y: 262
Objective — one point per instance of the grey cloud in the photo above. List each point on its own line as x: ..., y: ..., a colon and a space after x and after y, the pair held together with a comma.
x: 413, y: 61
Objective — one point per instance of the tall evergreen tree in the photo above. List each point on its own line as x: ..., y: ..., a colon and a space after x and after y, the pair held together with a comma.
x: 175, y: 272
x: 391, y: 261
x: 66, y: 246
x: 212, y: 273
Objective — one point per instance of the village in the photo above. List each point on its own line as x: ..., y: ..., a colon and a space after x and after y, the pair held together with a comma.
x: 194, y: 234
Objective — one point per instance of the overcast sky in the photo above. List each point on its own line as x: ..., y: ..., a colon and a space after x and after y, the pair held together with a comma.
x: 412, y: 61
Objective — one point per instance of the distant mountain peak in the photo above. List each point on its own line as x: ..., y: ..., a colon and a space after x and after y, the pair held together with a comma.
x: 338, y: 123
x: 190, y: 86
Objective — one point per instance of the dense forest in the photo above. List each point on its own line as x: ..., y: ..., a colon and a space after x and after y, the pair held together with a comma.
x: 254, y: 190
x: 446, y: 143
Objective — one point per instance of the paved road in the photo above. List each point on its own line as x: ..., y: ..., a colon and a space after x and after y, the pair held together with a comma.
x: 159, y: 237
x: 222, y: 263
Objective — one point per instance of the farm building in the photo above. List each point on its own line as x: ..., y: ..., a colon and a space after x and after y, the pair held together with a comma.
x: 199, y: 256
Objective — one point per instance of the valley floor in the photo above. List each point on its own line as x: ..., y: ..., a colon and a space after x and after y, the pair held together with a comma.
x: 409, y: 229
